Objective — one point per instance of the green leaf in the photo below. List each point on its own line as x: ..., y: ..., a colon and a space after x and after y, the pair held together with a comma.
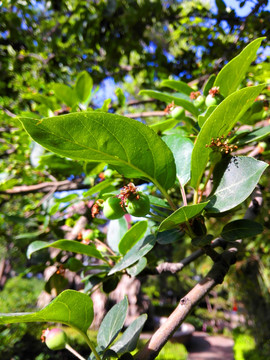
x: 138, y: 267
x: 67, y: 245
x: 83, y: 86
x: 169, y: 236
x: 71, y: 308
x: 134, y: 234
x: 181, y: 215
x: 140, y: 249
x: 130, y: 146
x: 181, y: 147
x: 219, y: 123
x: 209, y: 84
x: 112, y: 324
x: 99, y: 187
x: 234, y: 180
x: 168, y: 98
x: 116, y: 230
x: 201, y: 241
x: 177, y: 85
x: 65, y: 94
x: 203, y: 117
x: 255, y: 135
x: 158, y: 202
x: 232, y: 74
x: 129, y: 339
x: 240, y: 229
x: 162, y: 126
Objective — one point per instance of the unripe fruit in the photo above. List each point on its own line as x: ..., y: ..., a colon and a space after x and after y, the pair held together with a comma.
x: 178, y: 113
x: 138, y: 206
x: 212, y: 100
x: 112, y: 208
x: 199, y: 101
x: 56, y: 339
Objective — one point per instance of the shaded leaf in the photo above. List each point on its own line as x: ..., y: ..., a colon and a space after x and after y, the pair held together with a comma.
x: 116, y: 230
x: 181, y: 215
x: 112, y: 324
x: 158, y: 202
x: 181, y: 147
x: 140, y: 249
x: 240, y: 229
x: 130, y: 146
x: 168, y: 98
x: 169, y: 236
x: 201, y: 241
x: 234, y: 180
x: 219, y: 123
x: 67, y: 245
x: 70, y: 308
x: 129, y: 339
x: 209, y: 84
x: 99, y: 187
x: 138, y: 267
x: 134, y: 234
x: 255, y: 135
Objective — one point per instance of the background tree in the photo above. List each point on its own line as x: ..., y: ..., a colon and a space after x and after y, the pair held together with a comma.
x: 173, y: 38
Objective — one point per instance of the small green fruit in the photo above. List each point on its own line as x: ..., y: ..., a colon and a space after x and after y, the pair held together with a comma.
x: 199, y: 101
x: 112, y: 208
x: 138, y: 207
x: 56, y: 339
x: 178, y: 113
x: 212, y: 100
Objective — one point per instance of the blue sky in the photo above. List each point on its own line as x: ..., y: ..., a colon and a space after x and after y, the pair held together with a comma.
x: 234, y: 4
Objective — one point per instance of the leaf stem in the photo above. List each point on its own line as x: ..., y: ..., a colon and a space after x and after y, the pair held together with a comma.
x: 74, y: 352
x: 195, y: 196
x: 89, y: 343
x: 206, y: 182
x: 183, y: 193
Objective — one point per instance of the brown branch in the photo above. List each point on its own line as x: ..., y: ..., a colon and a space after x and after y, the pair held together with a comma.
x: 64, y: 185
x: 186, y: 304
x: 214, y: 277
x: 146, y: 114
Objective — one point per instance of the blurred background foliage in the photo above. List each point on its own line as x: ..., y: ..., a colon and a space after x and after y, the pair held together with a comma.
x: 121, y: 47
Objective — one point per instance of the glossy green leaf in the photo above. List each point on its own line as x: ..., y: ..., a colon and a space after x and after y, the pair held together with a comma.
x: 209, y: 84
x: 177, y: 85
x: 83, y: 86
x: 67, y: 245
x: 129, y: 339
x: 162, y: 126
x: 130, y: 146
x: 71, y: 308
x: 203, y: 117
x: 201, y: 241
x: 232, y: 74
x: 140, y: 249
x: 255, y: 135
x: 234, y: 180
x: 65, y: 94
x: 116, y: 230
x: 181, y: 215
x: 99, y: 187
x: 135, y: 269
x: 158, y: 202
x: 240, y: 229
x: 169, y: 236
x: 181, y: 147
x: 134, y: 234
x: 168, y: 98
x: 219, y: 123
x: 112, y: 324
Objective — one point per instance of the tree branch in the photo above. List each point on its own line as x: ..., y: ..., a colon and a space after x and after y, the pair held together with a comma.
x: 45, y: 187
